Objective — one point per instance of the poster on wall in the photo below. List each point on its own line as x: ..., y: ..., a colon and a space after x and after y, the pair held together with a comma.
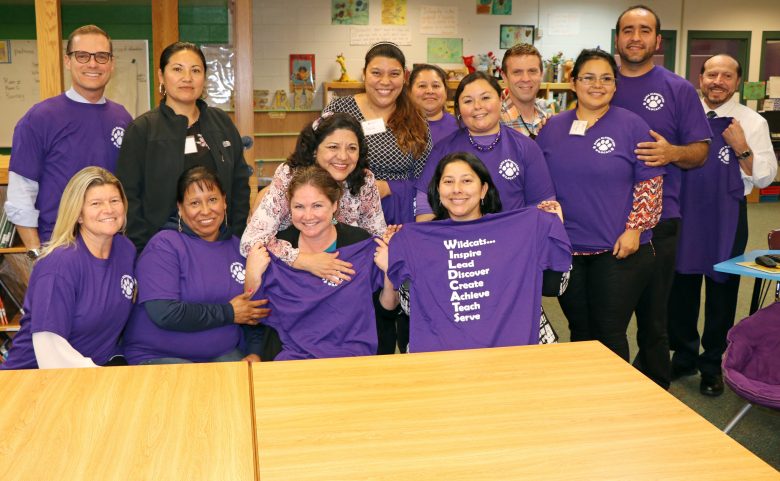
x: 445, y: 50
x: 436, y: 20
x: 510, y: 35
x: 394, y: 12
x: 301, y: 71
x: 349, y: 12
x: 494, y: 7
x: 5, y: 56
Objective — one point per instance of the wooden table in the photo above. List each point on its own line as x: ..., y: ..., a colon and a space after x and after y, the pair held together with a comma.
x: 184, y: 422
x: 571, y: 411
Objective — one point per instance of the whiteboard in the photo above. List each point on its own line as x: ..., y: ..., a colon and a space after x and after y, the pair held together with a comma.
x: 19, y: 84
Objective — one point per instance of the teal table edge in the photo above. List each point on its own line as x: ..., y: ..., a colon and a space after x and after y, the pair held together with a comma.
x: 731, y: 267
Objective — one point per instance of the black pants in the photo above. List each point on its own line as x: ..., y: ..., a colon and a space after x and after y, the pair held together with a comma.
x: 652, y: 338
x: 720, y: 307
x: 602, y: 294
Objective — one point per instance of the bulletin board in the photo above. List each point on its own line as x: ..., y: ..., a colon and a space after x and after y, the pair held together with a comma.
x: 20, y: 90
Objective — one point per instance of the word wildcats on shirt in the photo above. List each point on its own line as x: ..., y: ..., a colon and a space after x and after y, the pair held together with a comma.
x: 479, y: 283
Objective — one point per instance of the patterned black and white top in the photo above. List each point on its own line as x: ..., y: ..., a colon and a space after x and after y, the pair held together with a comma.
x: 385, y: 159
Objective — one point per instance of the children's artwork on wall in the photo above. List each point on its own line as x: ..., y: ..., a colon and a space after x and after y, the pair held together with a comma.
x: 5, y: 53
x: 301, y: 71
x: 511, y: 35
x: 393, y: 12
x: 445, y: 50
x: 494, y: 7
x: 349, y: 12
x: 502, y: 7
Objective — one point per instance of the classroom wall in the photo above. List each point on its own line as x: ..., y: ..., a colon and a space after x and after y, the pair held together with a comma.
x: 281, y: 30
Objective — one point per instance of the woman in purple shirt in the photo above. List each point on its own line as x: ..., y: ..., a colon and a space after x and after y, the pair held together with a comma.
x: 611, y: 200
x: 82, y: 287
x: 428, y: 89
x: 191, y: 299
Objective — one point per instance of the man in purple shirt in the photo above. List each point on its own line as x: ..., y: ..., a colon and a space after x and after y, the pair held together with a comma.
x: 61, y: 135
x: 670, y: 105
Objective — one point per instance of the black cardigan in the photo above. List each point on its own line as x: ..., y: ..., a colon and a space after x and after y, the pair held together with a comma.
x: 152, y: 159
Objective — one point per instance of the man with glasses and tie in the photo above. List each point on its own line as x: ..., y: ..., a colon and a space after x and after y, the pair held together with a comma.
x: 715, y: 221
x: 61, y: 135
x: 670, y: 105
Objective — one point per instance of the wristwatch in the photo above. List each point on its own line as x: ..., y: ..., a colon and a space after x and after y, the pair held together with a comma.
x: 744, y: 155
x: 33, y: 253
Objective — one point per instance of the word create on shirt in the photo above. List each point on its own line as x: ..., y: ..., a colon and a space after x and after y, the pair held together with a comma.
x: 462, y: 269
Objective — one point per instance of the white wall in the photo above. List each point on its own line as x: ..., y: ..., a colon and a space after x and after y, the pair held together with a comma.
x: 303, y: 26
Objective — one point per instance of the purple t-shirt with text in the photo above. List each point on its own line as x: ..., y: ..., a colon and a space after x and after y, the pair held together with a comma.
x: 79, y: 297
x: 595, y: 174
x: 516, y: 165
x: 318, y: 319
x: 710, y: 208
x: 175, y: 266
x: 670, y: 106
x: 57, y: 138
x: 478, y: 283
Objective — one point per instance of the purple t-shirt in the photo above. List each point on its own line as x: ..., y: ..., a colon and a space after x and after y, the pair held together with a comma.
x: 318, y: 319
x: 175, y: 266
x: 443, y: 127
x: 478, y: 283
x: 516, y: 165
x: 670, y: 106
x: 79, y: 297
x: 710, y: 208
x: 595, y: 174
x: 58, y: 137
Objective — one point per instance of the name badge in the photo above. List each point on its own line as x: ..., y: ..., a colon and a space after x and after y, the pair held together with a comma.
x: 189, y: 145
x: 371, y: 127
x: 578, y: 127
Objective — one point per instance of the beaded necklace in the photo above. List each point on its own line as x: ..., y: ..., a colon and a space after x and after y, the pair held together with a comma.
x: 484, y: 148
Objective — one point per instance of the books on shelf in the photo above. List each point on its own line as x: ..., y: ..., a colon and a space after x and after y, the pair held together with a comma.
x: 7, y: 231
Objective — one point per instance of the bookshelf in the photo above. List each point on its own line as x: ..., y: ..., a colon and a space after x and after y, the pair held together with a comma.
x: 14, y: 270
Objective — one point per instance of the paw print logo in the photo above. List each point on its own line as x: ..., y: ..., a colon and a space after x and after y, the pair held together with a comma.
x: 653, y: 101
x: 604, y: 145
x: 117, y: 135
x: 723, y: 155
x: 508, y: 169
x: 127, y: 284
x: 237, y: 272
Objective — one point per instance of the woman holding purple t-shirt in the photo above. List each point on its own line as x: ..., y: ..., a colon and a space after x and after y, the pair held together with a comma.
x: 611, y: 200
x: 191, y: 299
x: 81, y: 288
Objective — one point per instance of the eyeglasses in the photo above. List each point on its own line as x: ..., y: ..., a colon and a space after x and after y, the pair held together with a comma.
x: 83, y: 57
x: 592, y: 80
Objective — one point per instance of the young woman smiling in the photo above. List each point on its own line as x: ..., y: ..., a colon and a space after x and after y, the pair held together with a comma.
x: 428, y: 87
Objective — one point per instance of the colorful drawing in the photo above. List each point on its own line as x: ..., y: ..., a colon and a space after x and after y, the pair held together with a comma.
x: 394, y: 12
x: 484, y: 7
x: 513, y: 34
x: 5, y: 51
x: 349, y: 12
x: 502, y: 7
x: 445, y: 50
x: 301, y: 71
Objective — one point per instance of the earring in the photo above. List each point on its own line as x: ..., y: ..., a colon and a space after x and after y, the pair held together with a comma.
x: 482, y: 202
x: 162, y: 90
x: 179, y: 222
x: 334, y: 221
x: 226, y: 224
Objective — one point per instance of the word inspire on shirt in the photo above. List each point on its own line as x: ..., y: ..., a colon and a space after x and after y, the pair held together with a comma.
x: 463, y: 274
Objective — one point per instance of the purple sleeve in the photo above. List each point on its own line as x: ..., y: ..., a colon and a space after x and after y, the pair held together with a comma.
x: 435, y: 156
x: 55, y: 302
x: 556, y: 247
x: 398, y: 270
x: 158, y: 272
x: 692, y: 124
x: 422, y: 205
x: 27, y: 154
x: 641, y: 133
x: 537, y: 180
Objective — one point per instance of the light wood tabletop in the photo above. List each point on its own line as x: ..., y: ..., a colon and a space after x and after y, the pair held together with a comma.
x: 182, y: 422
x: 571, y: 411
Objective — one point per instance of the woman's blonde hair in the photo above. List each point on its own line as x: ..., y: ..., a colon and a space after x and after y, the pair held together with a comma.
x: 66, y: 229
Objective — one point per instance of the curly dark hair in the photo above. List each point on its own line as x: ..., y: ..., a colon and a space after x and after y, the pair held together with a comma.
x: 312, y: 136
